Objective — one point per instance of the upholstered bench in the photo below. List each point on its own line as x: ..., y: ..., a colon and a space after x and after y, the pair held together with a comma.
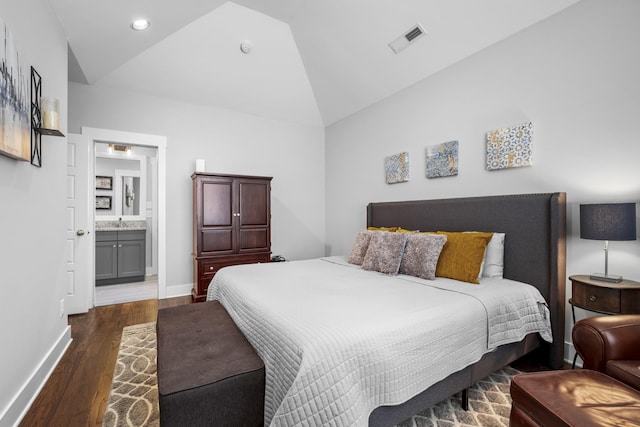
x: 578, y: 398
x: 208, y: 373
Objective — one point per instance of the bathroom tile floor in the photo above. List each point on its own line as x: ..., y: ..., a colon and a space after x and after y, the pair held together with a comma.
x: 127, y: 292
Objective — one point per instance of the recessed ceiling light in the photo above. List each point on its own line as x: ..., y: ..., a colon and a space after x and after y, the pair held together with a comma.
x: 140, y: 24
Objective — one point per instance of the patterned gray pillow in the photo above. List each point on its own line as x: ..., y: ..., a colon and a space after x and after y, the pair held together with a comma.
x: 359, y: 248
x: 384, y: 253
x: 421, y: 255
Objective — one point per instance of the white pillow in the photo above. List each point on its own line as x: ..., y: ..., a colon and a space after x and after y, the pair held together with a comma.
x: 493, y: 263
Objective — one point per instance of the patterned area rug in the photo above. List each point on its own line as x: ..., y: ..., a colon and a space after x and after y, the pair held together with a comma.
x: 133, y: 400
x: 489, y: 405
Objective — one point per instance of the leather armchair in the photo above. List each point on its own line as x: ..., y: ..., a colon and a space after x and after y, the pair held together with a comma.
x: 610, y: 344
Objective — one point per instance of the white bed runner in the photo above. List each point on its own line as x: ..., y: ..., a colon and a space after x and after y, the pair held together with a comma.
x: 338, y: 341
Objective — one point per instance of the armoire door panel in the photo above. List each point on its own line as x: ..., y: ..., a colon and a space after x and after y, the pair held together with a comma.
x: 254, y: 204
x: 216, y: 204
x: 254, y: 239
x: 217, y: 240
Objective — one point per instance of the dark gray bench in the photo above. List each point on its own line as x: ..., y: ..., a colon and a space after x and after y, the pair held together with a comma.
x: 208, y: 373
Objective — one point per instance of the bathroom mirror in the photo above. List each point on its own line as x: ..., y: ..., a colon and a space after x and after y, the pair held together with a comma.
x: 127, y: 194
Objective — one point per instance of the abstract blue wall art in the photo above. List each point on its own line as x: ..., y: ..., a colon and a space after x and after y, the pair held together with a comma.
x: 442, y: 159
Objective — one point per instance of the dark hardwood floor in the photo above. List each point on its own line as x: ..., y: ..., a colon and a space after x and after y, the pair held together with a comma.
x: 76, y: 394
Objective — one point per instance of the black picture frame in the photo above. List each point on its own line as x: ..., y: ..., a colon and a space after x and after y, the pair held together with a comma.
x: 103, y: 202
x: 104, y: 182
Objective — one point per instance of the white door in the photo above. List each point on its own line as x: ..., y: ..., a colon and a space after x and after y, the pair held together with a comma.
x: 79, y: 283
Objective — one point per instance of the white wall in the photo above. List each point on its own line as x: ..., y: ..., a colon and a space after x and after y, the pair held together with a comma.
x: 576, y: 76
x: 33, y: 225
x: 230, y: 142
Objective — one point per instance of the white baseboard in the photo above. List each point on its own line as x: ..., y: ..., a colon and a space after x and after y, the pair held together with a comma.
x: 179, y: 290
x: 570, y: 352
x: 25, y: 398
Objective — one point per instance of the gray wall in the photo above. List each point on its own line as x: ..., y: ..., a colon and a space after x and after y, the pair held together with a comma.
x: 230, y: 142
x: 575, y: 76
x: 33, y: 224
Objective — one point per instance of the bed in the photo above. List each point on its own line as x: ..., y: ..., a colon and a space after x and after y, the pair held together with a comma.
x: 320, y: 371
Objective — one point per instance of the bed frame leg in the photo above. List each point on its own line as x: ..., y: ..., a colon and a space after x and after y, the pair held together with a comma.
x: 464, y: 400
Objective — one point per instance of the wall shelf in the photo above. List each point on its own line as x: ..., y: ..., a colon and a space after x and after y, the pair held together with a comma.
x: 36, y: 120
x: 50, y: 132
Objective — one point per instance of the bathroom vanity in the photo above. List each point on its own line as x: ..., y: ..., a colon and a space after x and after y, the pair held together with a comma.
x: 120, y: 252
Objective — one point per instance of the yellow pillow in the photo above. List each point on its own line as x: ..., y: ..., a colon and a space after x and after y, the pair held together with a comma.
x: 462, y: 255
x: 402, y: 230
x: 382, y: 228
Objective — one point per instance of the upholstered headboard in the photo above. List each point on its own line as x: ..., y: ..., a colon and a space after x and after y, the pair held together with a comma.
x: 535, y: 247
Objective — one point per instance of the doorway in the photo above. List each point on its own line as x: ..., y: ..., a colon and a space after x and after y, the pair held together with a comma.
x: 126, y: 206
x: 157, y: 145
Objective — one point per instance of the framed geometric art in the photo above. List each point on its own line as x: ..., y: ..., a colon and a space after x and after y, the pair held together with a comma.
x: 396, y: 168
x: 510, y: 147
x: 442, y: 159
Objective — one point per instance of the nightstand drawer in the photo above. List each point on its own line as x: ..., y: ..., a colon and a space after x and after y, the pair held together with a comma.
x: 601, y: 299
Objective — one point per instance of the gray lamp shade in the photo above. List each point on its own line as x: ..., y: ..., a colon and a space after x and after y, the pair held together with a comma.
x: 613, y: 221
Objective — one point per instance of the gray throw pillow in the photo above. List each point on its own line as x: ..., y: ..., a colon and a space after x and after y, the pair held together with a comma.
x: 384, y: 253
x: 421, y: 255
x: 359, y: 248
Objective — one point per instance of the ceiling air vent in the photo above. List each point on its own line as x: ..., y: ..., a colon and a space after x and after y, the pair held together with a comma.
x: 410, y: 36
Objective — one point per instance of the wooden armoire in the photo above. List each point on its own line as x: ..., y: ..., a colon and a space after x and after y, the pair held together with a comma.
x: 231, y: 224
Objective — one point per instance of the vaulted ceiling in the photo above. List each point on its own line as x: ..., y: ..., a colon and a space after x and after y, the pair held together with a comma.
x: 311, y: 62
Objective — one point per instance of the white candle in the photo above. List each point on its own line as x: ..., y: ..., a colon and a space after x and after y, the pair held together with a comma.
x: 50, y: 120
x: 50, y: 113
x: 199, y: 165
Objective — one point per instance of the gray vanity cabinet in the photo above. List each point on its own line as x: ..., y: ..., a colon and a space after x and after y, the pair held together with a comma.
x: 106, y: 256
x: 120, y: 257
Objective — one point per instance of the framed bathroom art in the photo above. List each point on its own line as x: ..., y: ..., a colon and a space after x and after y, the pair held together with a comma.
x: 104, y: 183
x: 103, y: 202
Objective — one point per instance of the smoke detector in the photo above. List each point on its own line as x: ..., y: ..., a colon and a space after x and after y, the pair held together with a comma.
x: 246, y: 46
x: 410, y: 36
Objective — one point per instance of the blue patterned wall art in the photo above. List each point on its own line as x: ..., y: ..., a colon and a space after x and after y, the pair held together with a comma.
x: 396, y: 168
x: 509, y: 147
x: 442, y: 159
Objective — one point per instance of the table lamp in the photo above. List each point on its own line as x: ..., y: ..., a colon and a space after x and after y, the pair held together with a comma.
x: 612, y: 221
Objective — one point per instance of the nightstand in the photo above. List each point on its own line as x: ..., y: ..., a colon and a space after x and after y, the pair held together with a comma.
x: 603, y: 297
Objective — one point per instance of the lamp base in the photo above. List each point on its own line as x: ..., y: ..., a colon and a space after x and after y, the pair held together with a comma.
x: 606, y: 277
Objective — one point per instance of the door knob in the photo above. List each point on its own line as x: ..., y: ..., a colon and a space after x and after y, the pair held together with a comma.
x: 80, y: 232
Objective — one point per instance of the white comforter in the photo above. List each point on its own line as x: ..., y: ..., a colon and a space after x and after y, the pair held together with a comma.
x: 338, y: 341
